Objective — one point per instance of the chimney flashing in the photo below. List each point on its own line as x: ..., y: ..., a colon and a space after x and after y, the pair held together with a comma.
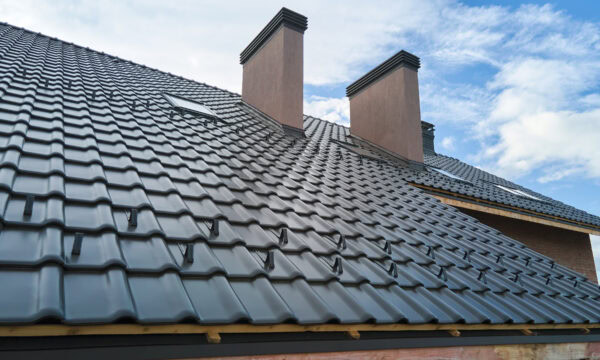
x: 402, y: 58
x: 285, y: 17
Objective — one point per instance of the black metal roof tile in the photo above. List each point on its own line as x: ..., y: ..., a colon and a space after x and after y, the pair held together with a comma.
x: 343, y: 304
x: 307, y: 306
x: 97, y: 297
x: 124, y: 194
x: 179, y: 227
x: 238, y: 262
x: 24, y: 246
x: 35, y: 294
x: 147, y: 255
x: 214, y: 300
x: 86, y: 216
x: 146, y: 225
x: 262, y: 302
x: 160, y: 298
x: 96, y: 251
x: 129, y: 198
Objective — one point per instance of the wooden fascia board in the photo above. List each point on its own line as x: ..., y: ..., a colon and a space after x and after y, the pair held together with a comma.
x: 214, y: 330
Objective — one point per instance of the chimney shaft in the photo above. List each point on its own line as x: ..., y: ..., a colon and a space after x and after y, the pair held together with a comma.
x: 428, y: 130
x: 384, y: 107
x: 273, y: 70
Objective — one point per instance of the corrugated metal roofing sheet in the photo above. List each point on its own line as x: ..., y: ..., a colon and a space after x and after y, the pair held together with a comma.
x: 110, y: 203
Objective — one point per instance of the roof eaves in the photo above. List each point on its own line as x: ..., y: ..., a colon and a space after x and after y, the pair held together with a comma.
x: 139, y: 329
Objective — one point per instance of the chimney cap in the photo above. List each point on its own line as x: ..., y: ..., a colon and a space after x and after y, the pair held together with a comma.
x: 285, y: 17
x: 401, y: 58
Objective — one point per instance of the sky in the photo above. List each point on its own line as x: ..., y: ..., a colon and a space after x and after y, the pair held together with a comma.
x: 512, y: 87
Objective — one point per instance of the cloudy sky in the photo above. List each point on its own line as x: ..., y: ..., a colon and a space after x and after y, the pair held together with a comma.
x: 512, y: 88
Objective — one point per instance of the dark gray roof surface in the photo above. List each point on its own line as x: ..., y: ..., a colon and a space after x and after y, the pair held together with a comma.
x: 86, y: 138
x: 484, y: 187
x: 479, y: 184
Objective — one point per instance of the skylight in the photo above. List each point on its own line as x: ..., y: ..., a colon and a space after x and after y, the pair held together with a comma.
x: 448, y: 174
x: 518, y: 192
x: 190, y: 105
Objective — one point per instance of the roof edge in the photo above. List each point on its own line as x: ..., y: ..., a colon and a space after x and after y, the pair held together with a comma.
x: 285, y: 17
x: 179, y: 346
x: 214, y: 330
x: 401, y: 58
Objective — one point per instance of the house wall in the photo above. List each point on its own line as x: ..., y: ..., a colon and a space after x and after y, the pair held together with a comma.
x: 568, y: 248
x: 497, y: 352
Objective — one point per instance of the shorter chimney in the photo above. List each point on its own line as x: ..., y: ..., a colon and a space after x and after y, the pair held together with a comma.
x: 384, y: 107
x: 273, y: 70
x: 428, y: 130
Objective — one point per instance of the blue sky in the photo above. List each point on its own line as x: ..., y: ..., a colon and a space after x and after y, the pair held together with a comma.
x: 513, y: 87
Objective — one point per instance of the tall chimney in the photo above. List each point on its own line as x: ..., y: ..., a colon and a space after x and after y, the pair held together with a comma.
x: 384, y: 107
x: 273, y: 70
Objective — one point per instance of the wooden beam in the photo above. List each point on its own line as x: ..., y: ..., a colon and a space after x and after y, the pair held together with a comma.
x: 213, y: 337
x: 354, y: 334
x: 213, y: 331
x: 454, y: 333
x: 527, y: 332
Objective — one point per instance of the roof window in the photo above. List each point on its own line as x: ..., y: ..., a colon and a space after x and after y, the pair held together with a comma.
x: 518, y: 192
x: 189, y: 105
x: 449, y: 174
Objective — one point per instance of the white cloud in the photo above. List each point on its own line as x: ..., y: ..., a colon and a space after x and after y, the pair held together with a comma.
x: 448, y: 143
x: 332, y: 109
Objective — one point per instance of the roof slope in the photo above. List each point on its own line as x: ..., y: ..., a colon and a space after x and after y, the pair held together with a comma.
x: 481, y: 185
x: 87, y: 137
x: 484, y: 187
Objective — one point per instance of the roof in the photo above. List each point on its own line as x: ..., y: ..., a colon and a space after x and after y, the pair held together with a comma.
x: 117, y: 208
x: 477, y: 184
x: 484, y: 187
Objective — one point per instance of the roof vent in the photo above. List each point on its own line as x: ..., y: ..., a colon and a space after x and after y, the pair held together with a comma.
x: 273, y: 70
x: 384, y: 107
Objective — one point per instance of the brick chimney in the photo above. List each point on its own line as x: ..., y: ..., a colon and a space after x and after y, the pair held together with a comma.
x: 273, y: 70
x: 384, y: 107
